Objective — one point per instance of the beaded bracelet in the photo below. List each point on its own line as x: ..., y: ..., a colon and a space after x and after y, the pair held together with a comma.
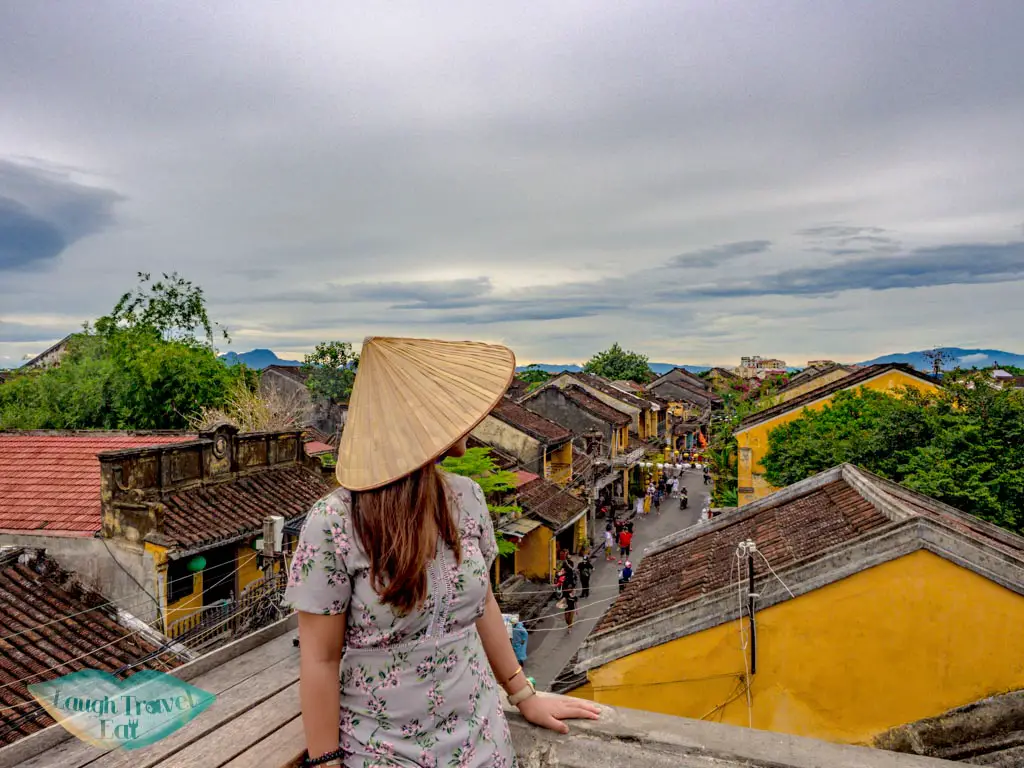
x: 324, y: 758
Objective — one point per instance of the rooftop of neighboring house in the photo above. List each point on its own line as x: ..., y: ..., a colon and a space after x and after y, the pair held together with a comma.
x: 551, y: 503
x: 606, y: 387
x: 502, y: 459
x: 50, y: 481
x: 629, y: 386
x: 35, y: 361
x: 517, y: 389
x: 855, y: 379
x: 533, y: 424
x: 724, y: 373
x: 681, y: 391
x: 260, y: 677
x: 316, y: 448
x: 294, y: 372
x: 314, y: 435
x: 212, y: 491
x: 815, y: 532
x: 678, y: 375
x: 813, y: 372
x: 53, y: 626
x: 587, y: 402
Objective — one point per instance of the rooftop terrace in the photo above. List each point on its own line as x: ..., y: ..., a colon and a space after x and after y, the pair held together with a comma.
x: 256, y: 721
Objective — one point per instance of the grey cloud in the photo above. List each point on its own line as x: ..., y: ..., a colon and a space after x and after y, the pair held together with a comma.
x: 924, y: 267
x: 42, y: 212
x: 19, y: 332
x: 424, y: 294
x: 712, y: 257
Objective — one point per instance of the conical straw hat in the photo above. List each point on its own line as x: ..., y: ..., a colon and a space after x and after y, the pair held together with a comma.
x: 412, y: 400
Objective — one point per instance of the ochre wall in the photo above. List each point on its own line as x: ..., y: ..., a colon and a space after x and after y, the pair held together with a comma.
x: 905, y: 640
x: 535, y: 555
x: 753, y: 442
x: 246, y: 563
x: 818, y: 381
x: 558, y: 464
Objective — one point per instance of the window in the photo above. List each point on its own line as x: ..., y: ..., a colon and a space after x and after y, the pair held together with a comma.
x: 179, y: 580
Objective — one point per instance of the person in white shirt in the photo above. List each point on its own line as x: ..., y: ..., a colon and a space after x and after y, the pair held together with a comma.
x: 675, y: 486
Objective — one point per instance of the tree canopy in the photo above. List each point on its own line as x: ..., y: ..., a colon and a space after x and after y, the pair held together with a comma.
x: 963, y: 446
x: 478, y: 464
x: 618, y: 364
x: 140, y: 367
x: 331, y: 370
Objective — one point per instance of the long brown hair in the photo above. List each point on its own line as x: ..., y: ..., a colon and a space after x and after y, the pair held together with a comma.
x: 398, y: 527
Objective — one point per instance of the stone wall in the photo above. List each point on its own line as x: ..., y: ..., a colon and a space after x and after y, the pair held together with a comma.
x: 555, y: 406
x: 526, y: 450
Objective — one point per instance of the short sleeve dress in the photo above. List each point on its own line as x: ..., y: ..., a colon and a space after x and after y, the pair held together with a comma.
x: 416, y: 690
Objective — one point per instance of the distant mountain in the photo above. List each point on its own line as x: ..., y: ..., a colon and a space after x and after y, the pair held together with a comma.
x: 658, y: 368
x: 257, y: 359
x: 964, y: 358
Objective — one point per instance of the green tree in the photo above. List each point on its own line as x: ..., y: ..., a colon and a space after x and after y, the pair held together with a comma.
x: 963, y: 446
x: 478, y: 464
x: 534, y: 376
x: 140, y: 367
x: 617, y: 364
x: 173, y: 307
x: 331, y: 370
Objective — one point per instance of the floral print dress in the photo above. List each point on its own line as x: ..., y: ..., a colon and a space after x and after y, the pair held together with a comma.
x: 416, y: 690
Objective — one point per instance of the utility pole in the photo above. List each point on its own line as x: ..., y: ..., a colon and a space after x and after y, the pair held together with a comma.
x: 751, y: 596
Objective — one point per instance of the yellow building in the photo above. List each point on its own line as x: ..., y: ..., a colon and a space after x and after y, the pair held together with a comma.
x: 810, y: 379
x: 537, y: 444
x: 553, y: 520
x: 195, y: 510
x: 642, y: 412
x: 752, y: 436
x: 885, y: 607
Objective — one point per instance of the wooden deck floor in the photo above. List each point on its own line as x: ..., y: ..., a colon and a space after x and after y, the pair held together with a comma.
x: 254, y: 721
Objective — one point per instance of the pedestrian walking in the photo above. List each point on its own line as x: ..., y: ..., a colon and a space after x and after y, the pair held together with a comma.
x: 639, y: 506
x: 647, y: 505
x: 569, y: 574
x: 520, y: 637
x: 570, y: 609
x: 625, y: 575
x: 625, y: 541
x: 707, y: 476
x: 609, y: 542
x: 675, y: 486
x: 585, y: 569
x: 657, y: 501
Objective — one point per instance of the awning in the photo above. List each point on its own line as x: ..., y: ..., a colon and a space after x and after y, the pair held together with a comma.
x: 606, y: 480
x: 518, y: 529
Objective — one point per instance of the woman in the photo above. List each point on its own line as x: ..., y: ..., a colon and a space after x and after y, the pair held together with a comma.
x: 390, y: 576
x: 570, y: 609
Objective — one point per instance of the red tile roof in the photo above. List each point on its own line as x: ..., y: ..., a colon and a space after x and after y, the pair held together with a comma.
x: 523, y: 477
x: 313, y: 447
x: 531, y: 423
x: 51, y: 483
x: 41, y: 638
x: 785, y: 533
x: 551, y: 503
x: 212, y: 514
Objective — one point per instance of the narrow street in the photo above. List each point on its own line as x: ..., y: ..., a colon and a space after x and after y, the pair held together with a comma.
x: 550, y: 646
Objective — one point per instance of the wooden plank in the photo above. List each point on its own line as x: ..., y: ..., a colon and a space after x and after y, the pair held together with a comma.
x: 234, y: 702
x: 281, y: 749
x: 222, y: 681
x: 62, y: 745
x: 233, y: 738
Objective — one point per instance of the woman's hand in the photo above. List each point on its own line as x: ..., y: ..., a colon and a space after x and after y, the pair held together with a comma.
x: 548, y: 711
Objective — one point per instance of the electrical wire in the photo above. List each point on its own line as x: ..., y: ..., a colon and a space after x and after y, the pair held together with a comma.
x: 740, y: 550
x: 779, y: 578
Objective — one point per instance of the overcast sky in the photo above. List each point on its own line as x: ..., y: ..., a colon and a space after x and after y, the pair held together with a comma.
x: 697, y: 180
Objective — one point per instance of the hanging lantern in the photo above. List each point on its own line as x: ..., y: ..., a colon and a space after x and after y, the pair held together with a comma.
x: 196, y: 564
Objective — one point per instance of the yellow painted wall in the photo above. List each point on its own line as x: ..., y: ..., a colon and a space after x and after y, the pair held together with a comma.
x: 580, y: 533
x: 535, y: 555
x: 246, y: 562
x: 753, y: 442
x: 807, y: 386
x: 899, y: 642
x: 558, y: 465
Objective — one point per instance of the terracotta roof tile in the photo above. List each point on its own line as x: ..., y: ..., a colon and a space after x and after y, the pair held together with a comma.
x: 52, y: 482
x: 549, y: 502
x: 38, y: 641
x: 531, y: 423
x: 785, y: 533
x: 206, y: 515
